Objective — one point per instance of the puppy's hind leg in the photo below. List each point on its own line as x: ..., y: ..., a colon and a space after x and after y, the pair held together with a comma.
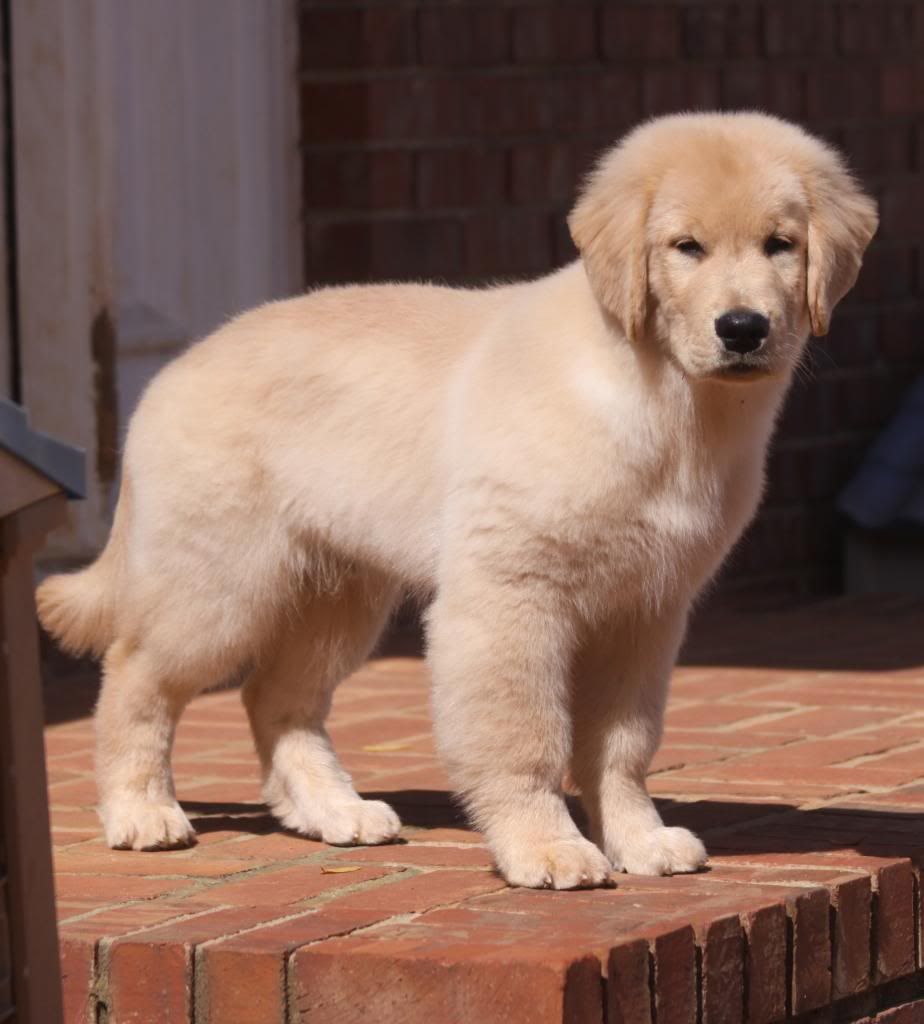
x: 135, y: 723
x: 288, y: 696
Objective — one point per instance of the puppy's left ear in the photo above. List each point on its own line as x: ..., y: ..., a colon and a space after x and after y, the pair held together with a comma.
x: 608, y: 227
x: 842, y: 221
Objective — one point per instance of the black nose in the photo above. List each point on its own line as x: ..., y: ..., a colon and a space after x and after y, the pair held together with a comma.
x: 742, y: 330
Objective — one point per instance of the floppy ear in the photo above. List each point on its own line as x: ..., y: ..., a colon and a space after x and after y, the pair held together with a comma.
x: 608, y: 227
x: 842, y: 220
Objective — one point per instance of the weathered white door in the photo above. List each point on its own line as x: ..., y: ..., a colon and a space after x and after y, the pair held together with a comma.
x: 6, y: 338
x: 157, y: 194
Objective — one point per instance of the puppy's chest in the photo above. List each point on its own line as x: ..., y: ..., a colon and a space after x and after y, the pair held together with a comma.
x: 663, y: 532
x: 669, y: 486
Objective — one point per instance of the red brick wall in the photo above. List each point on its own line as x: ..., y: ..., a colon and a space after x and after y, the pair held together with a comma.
x: 445, y: 139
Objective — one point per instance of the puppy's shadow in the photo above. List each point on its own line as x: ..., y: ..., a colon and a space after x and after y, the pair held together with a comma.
x: 418, y: 808
x: 423, y: 808
x: 210, y: 816
x: 732, y: 826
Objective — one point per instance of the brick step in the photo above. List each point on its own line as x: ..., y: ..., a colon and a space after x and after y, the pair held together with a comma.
x: 807, y: 784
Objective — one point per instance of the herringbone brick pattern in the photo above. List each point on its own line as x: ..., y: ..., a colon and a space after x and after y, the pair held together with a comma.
x: 794, y: 745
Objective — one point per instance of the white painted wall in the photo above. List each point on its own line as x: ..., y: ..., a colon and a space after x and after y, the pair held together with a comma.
x: 156, y: 146
x: 62, y: 140
x: 206, y: 171
x: 5, y: 341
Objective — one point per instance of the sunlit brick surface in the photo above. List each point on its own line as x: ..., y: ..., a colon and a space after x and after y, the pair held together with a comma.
x: 794, y: 745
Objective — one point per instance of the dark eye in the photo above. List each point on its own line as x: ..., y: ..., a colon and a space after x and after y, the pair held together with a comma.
x: 689, y: 246
x: 775, y: 244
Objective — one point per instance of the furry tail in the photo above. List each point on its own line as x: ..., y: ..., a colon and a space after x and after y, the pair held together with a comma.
x: 79, y: 609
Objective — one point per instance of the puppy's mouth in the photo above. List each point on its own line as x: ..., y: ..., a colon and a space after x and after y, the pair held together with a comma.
x: 743, y: 369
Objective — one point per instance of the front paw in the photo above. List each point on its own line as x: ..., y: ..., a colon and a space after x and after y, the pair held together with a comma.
x: 555, y: 864
x: 660, y: 851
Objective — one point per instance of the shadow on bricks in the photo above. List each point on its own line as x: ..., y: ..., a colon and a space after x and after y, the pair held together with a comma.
x: 845, y: 836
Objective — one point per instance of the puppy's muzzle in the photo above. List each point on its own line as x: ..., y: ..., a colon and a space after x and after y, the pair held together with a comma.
x: 742, y: 331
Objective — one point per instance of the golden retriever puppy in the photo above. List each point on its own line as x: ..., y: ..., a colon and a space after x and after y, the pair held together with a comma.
x: 562, y: 464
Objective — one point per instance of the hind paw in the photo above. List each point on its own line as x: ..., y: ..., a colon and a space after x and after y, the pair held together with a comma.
x: 359, y: 823
x: 142, y: 825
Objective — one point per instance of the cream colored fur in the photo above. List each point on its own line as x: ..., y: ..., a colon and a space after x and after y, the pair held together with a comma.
x: 563, y: 464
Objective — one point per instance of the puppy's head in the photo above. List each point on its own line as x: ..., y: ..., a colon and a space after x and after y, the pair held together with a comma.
x: 725, y: 238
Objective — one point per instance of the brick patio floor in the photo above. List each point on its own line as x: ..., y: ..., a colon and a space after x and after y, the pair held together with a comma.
x: 794, y: 746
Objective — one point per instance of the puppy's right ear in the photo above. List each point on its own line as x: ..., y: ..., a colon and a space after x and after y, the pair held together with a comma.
x: 608, y: 227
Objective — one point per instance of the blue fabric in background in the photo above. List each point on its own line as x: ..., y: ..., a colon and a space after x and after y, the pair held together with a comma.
x: 888, y: 489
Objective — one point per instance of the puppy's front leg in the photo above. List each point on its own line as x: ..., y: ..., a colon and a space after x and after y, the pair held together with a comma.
x: 499, y: 652
x: 620, y: 688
